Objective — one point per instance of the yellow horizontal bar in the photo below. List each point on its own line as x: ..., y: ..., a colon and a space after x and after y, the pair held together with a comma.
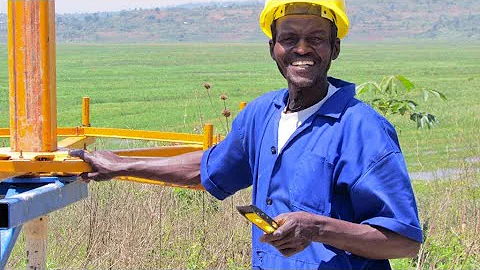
x: 126, y: 134
x: 161, y: 183
x: 62, y: 132
x: 70, y: 131
x: 33, y: 166
x: 164, y: 151
x: 143, y: 135
x: 23, y: 156
x: 49, y: 163
x: 76, y: 142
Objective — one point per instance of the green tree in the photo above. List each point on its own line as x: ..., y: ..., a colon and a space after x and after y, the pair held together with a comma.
x: 396, y: 94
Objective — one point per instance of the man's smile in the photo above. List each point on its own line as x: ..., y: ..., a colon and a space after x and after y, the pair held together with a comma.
x: 302, y: 63
x: 302, y: 67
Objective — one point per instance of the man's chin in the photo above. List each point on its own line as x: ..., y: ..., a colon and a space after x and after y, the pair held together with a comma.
x: 301, y: 82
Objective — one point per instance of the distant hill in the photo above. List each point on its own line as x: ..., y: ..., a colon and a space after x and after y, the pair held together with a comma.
x: 238, y: 22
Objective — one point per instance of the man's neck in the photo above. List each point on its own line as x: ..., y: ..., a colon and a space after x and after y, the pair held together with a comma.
x: 302, y: 98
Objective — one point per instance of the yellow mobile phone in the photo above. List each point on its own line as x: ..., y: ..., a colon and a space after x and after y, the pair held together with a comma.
x: 258, y: 217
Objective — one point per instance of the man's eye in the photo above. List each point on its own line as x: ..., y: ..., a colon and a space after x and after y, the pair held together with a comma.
x: 316, y: 40
x: 287, y: 40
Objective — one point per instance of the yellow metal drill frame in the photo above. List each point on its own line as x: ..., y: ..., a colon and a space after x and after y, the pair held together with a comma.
x: 33, y: 132
x: 35, y: 150
x: 17, y: 163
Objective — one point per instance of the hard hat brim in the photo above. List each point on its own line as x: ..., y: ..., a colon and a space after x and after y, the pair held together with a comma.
x: 266, y: 17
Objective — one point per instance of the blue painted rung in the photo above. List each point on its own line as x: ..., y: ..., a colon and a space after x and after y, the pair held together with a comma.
x: 7, y: 242
x: 24, y: 199
x: 27, y: 199
x: 39, y: 180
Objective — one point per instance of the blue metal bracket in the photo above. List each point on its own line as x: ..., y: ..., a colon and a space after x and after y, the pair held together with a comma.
x: 7, y: 242
x: 24, y: 199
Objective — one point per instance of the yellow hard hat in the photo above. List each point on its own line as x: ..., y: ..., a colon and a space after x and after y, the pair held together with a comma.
x: 333, y: 10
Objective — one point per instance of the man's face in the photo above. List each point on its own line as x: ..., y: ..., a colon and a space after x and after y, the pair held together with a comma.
x: 303, y: 49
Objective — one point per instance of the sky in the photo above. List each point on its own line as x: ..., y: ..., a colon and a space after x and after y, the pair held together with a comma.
x: 74, y: 6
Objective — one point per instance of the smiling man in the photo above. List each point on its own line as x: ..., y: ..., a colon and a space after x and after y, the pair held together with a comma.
x: 324, y: 164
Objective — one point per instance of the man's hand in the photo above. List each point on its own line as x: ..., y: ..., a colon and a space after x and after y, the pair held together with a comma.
x: 104, y: 164
x: 299, y: 229
x: 296, y: 232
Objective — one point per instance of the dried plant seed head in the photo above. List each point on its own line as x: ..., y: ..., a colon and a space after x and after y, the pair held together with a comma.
x: 223, y: 97
x: 207, y: 85
x: 226, y: 113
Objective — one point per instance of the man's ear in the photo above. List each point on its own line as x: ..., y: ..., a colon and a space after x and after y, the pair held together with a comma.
x: 336, y: 49
x: 272, y: 45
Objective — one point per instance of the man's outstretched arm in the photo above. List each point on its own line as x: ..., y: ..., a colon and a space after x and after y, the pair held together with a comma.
x: 182, y: 169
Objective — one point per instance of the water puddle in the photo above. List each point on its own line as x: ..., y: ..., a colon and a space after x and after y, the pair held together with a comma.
x: 452, y: 173
x: 473, y: 159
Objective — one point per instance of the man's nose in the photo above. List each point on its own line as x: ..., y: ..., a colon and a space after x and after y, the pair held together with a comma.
x: 302, y: 47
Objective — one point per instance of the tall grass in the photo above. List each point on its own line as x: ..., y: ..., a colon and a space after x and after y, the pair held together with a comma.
x: 130, y: 226
x: 159, y: 87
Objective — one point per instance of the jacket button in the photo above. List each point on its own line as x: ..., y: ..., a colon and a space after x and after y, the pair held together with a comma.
x: 273, y: 150
x: 269, y: 201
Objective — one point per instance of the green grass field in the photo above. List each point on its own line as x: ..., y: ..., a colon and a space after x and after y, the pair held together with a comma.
x: 159, y: 87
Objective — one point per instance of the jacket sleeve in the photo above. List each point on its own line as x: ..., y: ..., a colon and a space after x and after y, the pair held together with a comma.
x: 225, y: 168
x: 383, y: 197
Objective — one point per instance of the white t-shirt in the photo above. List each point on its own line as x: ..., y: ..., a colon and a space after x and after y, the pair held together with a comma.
x: 289, y: 122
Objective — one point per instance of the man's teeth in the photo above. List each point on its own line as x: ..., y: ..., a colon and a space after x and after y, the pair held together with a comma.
x: 302, y: 63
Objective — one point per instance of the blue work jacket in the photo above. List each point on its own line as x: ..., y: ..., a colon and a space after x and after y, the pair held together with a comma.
x: 343, y: 162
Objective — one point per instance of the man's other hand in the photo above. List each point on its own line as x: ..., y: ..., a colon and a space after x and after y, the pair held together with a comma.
x: 104, y: 164
x: 295, y: 233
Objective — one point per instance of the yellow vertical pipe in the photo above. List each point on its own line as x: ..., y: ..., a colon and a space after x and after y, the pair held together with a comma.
x: 86, y: 111
x: 242, y: 105
x: 207, y: 136
x: 32, y: 75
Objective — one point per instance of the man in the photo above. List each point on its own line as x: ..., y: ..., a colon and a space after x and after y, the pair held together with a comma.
x: 327, y: 166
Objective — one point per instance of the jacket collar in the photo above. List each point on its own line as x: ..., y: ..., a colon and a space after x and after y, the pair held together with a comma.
x: 334, y: 106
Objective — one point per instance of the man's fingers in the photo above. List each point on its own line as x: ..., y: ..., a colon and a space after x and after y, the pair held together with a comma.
x: 289, y: 252
x: 281, y: 219
x: 80, y: 153
x: 285, y: 228
x: 85, y: 156
x: 280, y: 233
x: 84, y: 177
x: 282, y: 242
x: 95, y: 176
x: 286, y: 238
x: 297, y: 245
x: 269, y: 238
x: 291, y: 247
x: 98, y: 177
